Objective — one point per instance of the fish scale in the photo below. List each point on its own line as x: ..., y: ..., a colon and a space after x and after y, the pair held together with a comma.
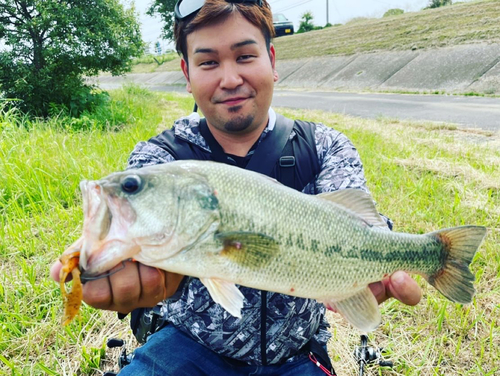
x: 227, y: 226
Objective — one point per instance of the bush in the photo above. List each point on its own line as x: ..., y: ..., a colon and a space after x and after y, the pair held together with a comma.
x: 393, y: 12
x: 306, y: 23
x: 438, y: 3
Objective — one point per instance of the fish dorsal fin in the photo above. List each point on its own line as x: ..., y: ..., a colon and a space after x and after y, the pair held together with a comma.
x: 248, y: 249
x: 357, y: 201
x: 226, y: 294
x: 360, y: 309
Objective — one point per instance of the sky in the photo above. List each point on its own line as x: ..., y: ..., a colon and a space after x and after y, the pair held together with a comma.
x: 340, y: 11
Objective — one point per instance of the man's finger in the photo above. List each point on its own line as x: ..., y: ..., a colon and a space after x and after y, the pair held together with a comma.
x: 400, y: 286
x: 173, y: 280
x: 55, y: 270
x: 404, y: 288
x: 379, y: 290
x: 125, y: 286
x: 98, y: 293
x: 153, y: 285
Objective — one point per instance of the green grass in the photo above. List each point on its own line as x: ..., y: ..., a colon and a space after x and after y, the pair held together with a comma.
x: 462, y: 23
x: 423, y: 176
x: 151, y: 63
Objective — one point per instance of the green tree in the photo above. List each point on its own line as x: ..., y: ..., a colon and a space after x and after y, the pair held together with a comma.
x: 393, y: 12
x: 50, y: 45
x: 306, y: 23
x: 439, y: 3
x: 165, y: 10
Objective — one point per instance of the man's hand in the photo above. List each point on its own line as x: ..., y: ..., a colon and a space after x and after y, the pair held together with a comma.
x: 135, y: 286
x: 400, y: 286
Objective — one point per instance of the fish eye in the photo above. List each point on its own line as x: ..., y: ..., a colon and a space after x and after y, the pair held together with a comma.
x: 131, y: 184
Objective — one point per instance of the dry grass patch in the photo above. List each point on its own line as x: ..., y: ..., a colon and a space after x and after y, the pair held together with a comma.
x: 466, y: 23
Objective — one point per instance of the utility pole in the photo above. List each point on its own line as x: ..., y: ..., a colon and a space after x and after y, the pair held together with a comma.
x: 327, y: 21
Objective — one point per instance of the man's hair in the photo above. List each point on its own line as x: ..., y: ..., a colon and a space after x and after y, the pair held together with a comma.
x: 217, y: 10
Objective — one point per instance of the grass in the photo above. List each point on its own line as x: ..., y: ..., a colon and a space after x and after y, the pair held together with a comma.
x: 151, y: 63
x: 462, y: 23
x: 424, y: 176
x: 465, y: 23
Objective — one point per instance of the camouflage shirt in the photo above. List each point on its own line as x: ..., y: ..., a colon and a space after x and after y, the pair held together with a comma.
x: 290, y: 321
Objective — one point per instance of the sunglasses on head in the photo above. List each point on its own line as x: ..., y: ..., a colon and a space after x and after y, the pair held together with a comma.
x: 185, y: 8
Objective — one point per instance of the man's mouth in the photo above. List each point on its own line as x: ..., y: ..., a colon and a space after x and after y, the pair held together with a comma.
x: 234, y: 101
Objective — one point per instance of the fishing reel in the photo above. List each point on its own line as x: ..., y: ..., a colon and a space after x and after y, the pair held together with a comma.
x: 365, y: 354
x: 124, y: 358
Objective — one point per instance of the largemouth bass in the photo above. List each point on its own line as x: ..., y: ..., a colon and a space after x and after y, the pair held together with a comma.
x: 228, y: 226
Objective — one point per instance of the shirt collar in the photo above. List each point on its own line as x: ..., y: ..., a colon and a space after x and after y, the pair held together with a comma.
x: 188, y: 129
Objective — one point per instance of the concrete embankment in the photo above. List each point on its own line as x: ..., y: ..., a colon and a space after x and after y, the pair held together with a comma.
x: 459, y: 69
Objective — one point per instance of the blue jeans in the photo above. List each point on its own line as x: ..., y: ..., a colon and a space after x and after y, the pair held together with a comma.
x: 171, y: 352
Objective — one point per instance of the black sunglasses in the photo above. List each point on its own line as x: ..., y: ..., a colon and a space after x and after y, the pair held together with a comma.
x: 186, y: 8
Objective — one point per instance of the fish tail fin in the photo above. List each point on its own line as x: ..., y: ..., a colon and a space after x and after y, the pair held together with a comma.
x: 454, y: 280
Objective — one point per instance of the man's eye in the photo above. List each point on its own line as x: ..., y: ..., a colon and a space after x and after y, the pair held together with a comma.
x: 208, y: 63
x: 245, y: 57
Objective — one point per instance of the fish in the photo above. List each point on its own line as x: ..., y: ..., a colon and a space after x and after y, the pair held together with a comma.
x: 232, y: 227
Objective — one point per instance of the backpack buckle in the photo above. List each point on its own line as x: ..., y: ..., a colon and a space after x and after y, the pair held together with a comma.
x: 288, y: 161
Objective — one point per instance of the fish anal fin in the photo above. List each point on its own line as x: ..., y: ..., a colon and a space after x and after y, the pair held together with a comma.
x: 226, y: 294
x: 357, y: 201
x: 248, y: 249
x: 360, y: 309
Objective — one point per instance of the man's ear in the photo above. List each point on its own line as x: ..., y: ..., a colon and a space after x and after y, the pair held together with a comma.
x: 185, y: 70
x: 272, y: 56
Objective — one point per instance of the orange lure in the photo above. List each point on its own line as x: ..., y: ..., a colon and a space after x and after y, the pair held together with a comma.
x: 73, y: 298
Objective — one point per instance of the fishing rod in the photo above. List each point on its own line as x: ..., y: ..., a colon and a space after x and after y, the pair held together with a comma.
x: 365, y: 354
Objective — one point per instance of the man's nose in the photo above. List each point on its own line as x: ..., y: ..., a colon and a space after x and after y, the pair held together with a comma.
x: 231, y: 77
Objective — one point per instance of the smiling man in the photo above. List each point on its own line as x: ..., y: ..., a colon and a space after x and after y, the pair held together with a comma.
x: 229, y: 64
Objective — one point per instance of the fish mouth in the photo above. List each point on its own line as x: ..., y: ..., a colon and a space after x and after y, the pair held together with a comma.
x: 107, y: 219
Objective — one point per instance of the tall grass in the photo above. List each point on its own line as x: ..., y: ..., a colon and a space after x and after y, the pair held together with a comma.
x: 422, y: 176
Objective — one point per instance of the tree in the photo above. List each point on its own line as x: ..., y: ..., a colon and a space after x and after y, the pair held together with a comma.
x: 164, y: 9
x: 306, y: 22
x: 50, y: 45
x: 439, y: 3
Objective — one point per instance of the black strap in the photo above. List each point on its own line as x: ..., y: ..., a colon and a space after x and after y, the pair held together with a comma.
x: 267, y: 152
x: 286, y: 172
x: 320, y: 353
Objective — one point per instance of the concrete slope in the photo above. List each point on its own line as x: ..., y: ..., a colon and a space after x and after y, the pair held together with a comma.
x: 459, y: 69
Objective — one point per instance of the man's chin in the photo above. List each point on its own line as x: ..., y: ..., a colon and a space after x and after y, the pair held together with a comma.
x: 238, y: 124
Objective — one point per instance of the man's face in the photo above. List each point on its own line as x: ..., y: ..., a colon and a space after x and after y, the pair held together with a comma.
x: 231, y: 74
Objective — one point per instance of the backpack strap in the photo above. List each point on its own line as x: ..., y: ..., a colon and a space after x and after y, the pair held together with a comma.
x: 179, y: 148
x: 269, y: 150
x: 286, y: 166
x: 299, y: 165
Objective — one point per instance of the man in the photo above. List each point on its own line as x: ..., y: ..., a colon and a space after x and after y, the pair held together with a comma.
x: 229, y: 65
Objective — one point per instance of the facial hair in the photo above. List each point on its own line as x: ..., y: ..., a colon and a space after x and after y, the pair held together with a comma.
x: 238, y: 124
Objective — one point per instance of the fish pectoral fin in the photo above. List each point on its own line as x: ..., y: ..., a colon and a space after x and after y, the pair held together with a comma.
x: 248, y: 249
x: 357, y: 201
x: 360, y: 309
x: 226, y: 294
